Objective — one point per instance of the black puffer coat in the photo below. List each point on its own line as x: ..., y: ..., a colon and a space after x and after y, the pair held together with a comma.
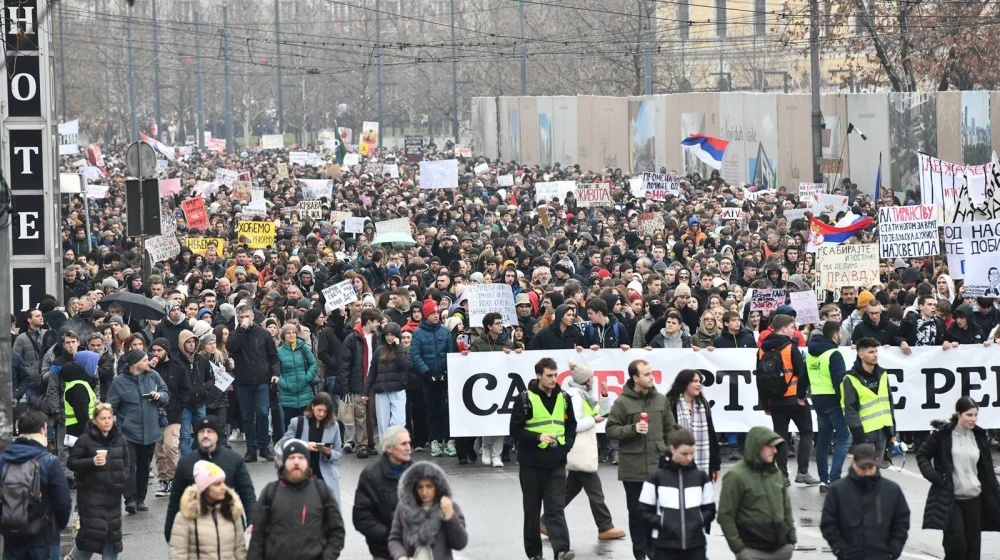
x: 387, y: 376
x: 100, y: 489
x: 934, y: 459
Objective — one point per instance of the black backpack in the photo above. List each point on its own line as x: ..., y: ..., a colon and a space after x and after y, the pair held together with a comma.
x: 22, y: 513
x: 770, y: 374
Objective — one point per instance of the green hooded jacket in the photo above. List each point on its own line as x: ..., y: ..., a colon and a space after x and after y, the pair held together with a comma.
x: 639, y: 454
x: 754, y: 509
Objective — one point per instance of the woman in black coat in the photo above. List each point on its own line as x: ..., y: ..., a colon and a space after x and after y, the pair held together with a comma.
x: 101, y: 482
x: 388, y: 377
x: 960, y: 506
x: 692, y: 411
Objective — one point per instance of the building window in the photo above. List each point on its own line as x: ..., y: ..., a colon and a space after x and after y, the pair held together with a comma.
x: 720, y: 17
x: 684, y: 17
x: 760, y: 17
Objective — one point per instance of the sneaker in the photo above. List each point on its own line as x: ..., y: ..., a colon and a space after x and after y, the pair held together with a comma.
x: 611, y: 534
x: 602, y: 457
x: 497, y: 462
x: 418, y: 449
x: 567, y: 555
x: 463, y: 460
x: 236, y: 436
x: 363, y: 453
x: 505, y: 456
x: 436, y: 450
x: 267, y: 455
x: 348, y: 447
x: 449, y: 448
x: 162, y: 489
x: 141, y: 506
x: 823, y: 487
x: 787, y: 482
x: 614, y: 457
x: 250, y: 457
x: 807, y: 479
x: 734, y: 453
x: 130, y: 506
x: 487, y: 457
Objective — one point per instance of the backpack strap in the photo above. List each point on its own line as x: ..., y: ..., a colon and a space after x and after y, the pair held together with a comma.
x: 299, y: 428
x: 267, y: 496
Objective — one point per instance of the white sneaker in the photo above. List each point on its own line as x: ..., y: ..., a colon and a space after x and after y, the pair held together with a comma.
x: 236, y: 436
x: 486, y: 457
x: 496, y: 461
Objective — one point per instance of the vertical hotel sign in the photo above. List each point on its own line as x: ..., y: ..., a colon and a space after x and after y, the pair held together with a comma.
x: 29, y: 151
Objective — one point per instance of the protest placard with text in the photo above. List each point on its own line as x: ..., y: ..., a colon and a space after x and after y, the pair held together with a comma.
x: 439, y: 174
x: 656, y: 186
x: 767, y: 300
x: 339, y: 294
x: 805, y: 306
x: 593, y: 194
x: 546, y: 191
x: 491, y: 298
x: 162, y: 247
x: 200, y: 245
x: 848, y: 265
x: 907, y: 231
x: 256, y: 235
x: 195, y: 214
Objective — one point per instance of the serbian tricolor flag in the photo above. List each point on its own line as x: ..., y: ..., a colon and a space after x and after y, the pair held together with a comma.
x: 158, y: 146
x: 823, y: 235
x: 707, y: 149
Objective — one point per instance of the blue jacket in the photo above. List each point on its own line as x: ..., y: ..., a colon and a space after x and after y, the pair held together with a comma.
x: 55, y: 490
x: 818, y: 345
x: 138, y: 418
x: 298, y: 371
x: 429, y: 348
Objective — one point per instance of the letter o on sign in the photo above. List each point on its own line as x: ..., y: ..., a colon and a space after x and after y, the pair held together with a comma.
x: 16, y: 87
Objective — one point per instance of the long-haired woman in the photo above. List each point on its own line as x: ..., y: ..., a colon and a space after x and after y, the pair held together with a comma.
x: 209, y: 523
x: 691, y: 409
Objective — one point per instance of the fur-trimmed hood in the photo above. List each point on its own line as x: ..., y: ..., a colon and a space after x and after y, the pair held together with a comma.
x: 423, y: 525
x: 190, y: 503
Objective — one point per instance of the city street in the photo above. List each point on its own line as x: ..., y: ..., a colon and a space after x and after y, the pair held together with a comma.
x: 491, y: 500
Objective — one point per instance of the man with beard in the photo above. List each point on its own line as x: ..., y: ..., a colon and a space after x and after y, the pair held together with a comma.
x: 237, y: 475
x: 170, y: 327
x: 297, y: 516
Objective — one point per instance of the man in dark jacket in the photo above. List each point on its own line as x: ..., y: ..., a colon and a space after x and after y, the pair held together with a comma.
x: 429, y: 353
x: 604, y: 330
x: 733, y: 334
x: 562, y: 334
x: 329, y: 351
x: 866, y: 386
x: 297, y: 516
x: 237, y: 476
x: 865, y: 515
x: 378, y: 491
x: 987, y: 316
x: 399, y: 306
x: 56, y: 499
x: 826, y: 369
x: 964, y: 329
x: 200, y: 377
x: 542, y: 450
x: 170, y: 327
x: 359, y: 349
x: 168, y: 449
x: 525, y: 316
x: 790, y: 407
x: 256, y: 366
x: 923, y: 328
x: 876, y: 324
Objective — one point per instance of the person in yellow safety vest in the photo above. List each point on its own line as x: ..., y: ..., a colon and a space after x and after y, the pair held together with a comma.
x: 866, y: 397
x: 79, y: 398
x: 826, y: 369
x: 543, y: 423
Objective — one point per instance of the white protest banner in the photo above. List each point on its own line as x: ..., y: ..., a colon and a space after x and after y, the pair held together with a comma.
x: 767, y: 300
x: 162, y: 247
x: 491, y: 298
x: 907, y: 231
x: 168, y: 222
x: 593, y: 194
x: 161, y: 166
x: 311, y: 208
x: 391, y: 169
x: 925, y: 384
x: 848, y: 265
x: 272, y: 142
x: 656, y: 186
x: 305, y: 158
x: 257, y: 198
x: 941, y: 182
x: 649, y: 222
x: 222, y: 378
x: 972, y: 250
x: 206, y: 189
x: 339, y: 294
x: 226, y: 176
x: 635, y: 187
x: 399, y: 225
x: 730, y: 213
x: 354, y: 225
x: 169, y: 187
x: 463, y: 151
x: 439, y: 174
x: 338, y: 216
x: 97, y: 192
x: 830, y: 204
x: 505, y: 181
x: 350, y: 160
x: 805, y: 306
x: 546, y: 191
x: 482, y: 168
x: 807, y: 190
x: 69, y: 132
x: 792, y: 214
x: 313, y: 189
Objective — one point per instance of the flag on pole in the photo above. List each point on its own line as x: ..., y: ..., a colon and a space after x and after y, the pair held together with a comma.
x: 852, y: 129
x: 707, y: 149
x: 878, y: 179
x: 341, y: 146
x: 824, y: 235
x: 160, y: 147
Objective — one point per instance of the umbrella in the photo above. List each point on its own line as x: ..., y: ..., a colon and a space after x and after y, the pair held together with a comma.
x: 397, y: 238
x: 136, y: 306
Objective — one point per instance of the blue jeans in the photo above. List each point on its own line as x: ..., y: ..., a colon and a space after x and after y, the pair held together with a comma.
x: 831, y: 424
x: 108, y: 554
x: 254, y: 406
x: 32, y: 552
x: 189, y: 417
x: 436, y: 403
x: 390, y: 410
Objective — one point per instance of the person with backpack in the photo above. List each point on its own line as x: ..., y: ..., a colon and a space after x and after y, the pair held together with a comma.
x: 604, y: 331
x: 296, y: 516
x: 780, y: 367
x: 35, y: 502
x: 319, y: 428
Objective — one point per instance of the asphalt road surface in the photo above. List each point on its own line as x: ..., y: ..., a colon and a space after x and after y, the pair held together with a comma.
x: 491, y: 500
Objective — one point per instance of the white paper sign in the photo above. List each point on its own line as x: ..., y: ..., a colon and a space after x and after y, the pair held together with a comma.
x: 505, y: 180
x: 311, y: 208
x: 390, y: 169
x: 161, y: 166
x: 805, y: 306
x: 257, y: 198
x: 656, y: 186
x: 305, y: 159
x: 226, y: 176
x: 399, y: 225
x: 69, y: 133
x: 593, y: 194
x: 848, y: 265
x: 491, y: 298
x: 767, y: 300
x: 272, y: 141
x: 730, y: 213
x: 482, y: 168
x: 546, y: 191
x: 792, y: 214
x: 972, y: 250
x: 807, y: 190
x: 162, y: 247
x: 97, y: 192
x: 354, y: 225
x: 441, y: 174
x: 350, y: 160
x: 831, y: 204
x: 222, y: 378
x: 313, y: 189
x: 339, y: 294
x: 907, y: 232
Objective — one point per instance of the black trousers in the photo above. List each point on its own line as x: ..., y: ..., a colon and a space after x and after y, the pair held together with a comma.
x: 963, y: 537
x: 416, y: 415
x: 781, y: 416
x: 548, y: 486
x: 466, y: 447
x: 636, y: 526
x: 138, y: 480
x: 697, y: 553
x: 591, y: 484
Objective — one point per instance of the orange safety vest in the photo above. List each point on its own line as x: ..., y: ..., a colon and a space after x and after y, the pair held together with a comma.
x: 786, y: 366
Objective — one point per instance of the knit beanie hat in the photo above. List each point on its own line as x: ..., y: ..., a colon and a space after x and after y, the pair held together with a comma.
x: 581, y: 374
x: 294, y: 446
x: 682, y: 290
x: 864, y: 298
x: 206, y: 474
x: 133, y: 357
x: 430, y: 307
x: 161, y: 342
